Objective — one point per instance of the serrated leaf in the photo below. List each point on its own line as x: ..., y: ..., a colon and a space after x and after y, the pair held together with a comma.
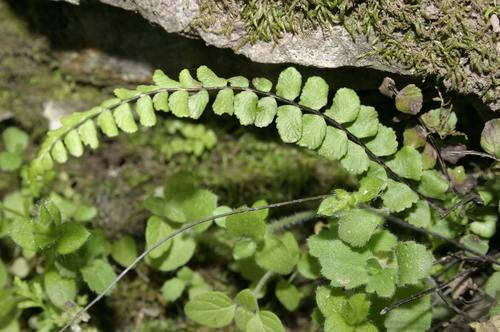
x: 72, y: 236
x: 172, y: 289
x: 382, y: 240
x: 16, y: 140
x: 274, y: 255
x: 343, y: 265
x: 384, y: 283
x: 490, y: 137
x: 224, y: 102
x: 289, y: 123
x: 384, y: 143
x: 287, y: 294
x: 160, y: 101
x: 345, y: 107
x: 356, y: 309
x: 356, y: 160
x: 315, y: 93
x: 366, y: 124
x: 125, y: 93
x: 157, y: 230
x: 107, y: 123
x: 333, y: 206
x: 357, y: 226
x: 124, y: 251
x: 59, y: 152
x: 313, y: 131
x: 144, y: 108
x: 178, y: 103
x: 23, y: 233
x: 212, y: 309
x: 88, y: 134
x: 266, y: 111
x: 188, y: 81
x: 73, y: 144
x: 248, y: 224
x: 407, y: 163
x: 99, y: 275
x: 262, y: 84
x: 398, y: 196
x: 124, y: 118
x: 60, y: 290
x: 197, y: 104
x: 414, y: 262
x: 289, y: 84
x: 163, y: 81
x: 409, y: 99
x: 432, y: 185
x: 239, y: 82
x: 209, y: 79
x: 334, y: 145
x: 245, y: 107
x: 330, y: 300
x: 309, y: 267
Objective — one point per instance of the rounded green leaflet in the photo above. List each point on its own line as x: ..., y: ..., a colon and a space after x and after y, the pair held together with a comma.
x: 124, y: 119
x: 287, y: 294
x: 266, y: 111
x: 315, y: 93
x: 59, y: 152
x: 157, y: 230
x: 313, y: 131
x: 107, y: 124
x: 245, y: 107
x: 99, y: 275
x: 384, y: 143
x: 289, y: 123
x: 398, y: 196
x: 224, y: 102
x: 172, y: 289
x: 366, y: 124
x: 212, y: 309
x: 334, y: 145
x: 409, y: 99
x: 160, y: 101
x: 144, y: 108
x: 59, y: 290
x: 357, y: 226
x: 164, y: 81
x: 209, y: 79
x: 188, y: 81
x: 490, y: 137
x: 262, y: 84
x: 124, y: 251
x: 16, y: 140
x: 248, y: 224
x: 10, y: 161
x: 356, y: 160
x: 246, y: 299
x: 406, y: 163
x: 197, y: 104
x: 345, y: 107
x: 73, y: 143
x: 179, y: 253
x: 178, y: 103
x: 289, y: 84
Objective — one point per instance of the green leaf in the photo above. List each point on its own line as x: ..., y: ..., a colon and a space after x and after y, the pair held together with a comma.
x: 398, y: 196
x: 179, y: 187
x: 474, y: 242
x: 107, y: 124
x: 49, y: 212
x: 224, y: 102
x: 276, y: 255
x: 209, y: 79
x: 157, y: 230
x: 409, y: 99
x: 384, y: 143
x: 163, y: 81
x: 369, y: 189
x: 315, y: 93
x: 85, y: 213
x: 432, y: 185
x: 144, y: 108
x: 124, y: 118
x: 160, y: 101
x: 266, y: 111
x: 382, y: 240
x: 60, y: 290
x: 72, y: 236
x: 99, y: 275
x: 375, y: 171
x: 335, y: 322
x: 407, y: 163
x: 245, y: 107
x: 188, y: 81
x: 356, y: 309
x: 289, y: 123
x: 242, y: 317
x: 125, y: 93
x: 330, y: 300
x: 384, y: 283
x: 147, y: 88
x: 124, y: 251
x: 248, y: 224
x: 59, y: 152
x: 419, y: 214
x: 212, y: 309
x: 345, y: 107
x: 73, y: 143
x: 180, y: 252
x: 309, y: 267
x: 88, y: 134
x: 247, y: 300
x: 243, y: 249
x: 490, y: 137
x: 288, y: 295
x: 313, y: 131
x: 10, y: 161
x: 343, y: 265
x: 239, y: 82
x: 200, y: 205
x: 197, y: 104
x: 334, y: 144
x: 289, y: 84
x: 265, y: 321
x: 356, y: 160
x: 366, y: 124
x: 414, y: 262
x: 16, y: 140
x: 172, y: 289
x: 334, y: 206
x: 110, y: 103
x: 23, y: 233
x: 357, y: 226
x: 262, y: 84
x: 178, y: 103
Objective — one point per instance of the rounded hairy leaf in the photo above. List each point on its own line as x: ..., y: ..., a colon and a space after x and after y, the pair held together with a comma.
x: 180, y: 252
x: 490, y: 137
x: 99, y: 275
x: 16, y: 140
x: 172, y: 289
x: 244, y: 248
x: 224, y: 102
x: 330, y: 300
x: 369, y: 189
x: 212, y: 309
x: 315, y: 93
x: 60, y: 290
x: 157, y: 230
x: 247, y: 300
x: 144, y: 108
x: 309, y: 267
x: 407, y: 163
x: 334, y: 145
x: 313, y: 131
x: 248, y: 224
x: 22, y: 231
x: 11, y: 161
x: 200, y: 205
x: 382, y: 240
x: 72, y: 236
x: 245, y: 107
x: 383, y: 283
x: 289, y: 84
x: 276, y: 255
x: 289, y: 123
x: 398, y: 196
x: 357, y: 226
x: 124, y: 118
x: 345, y: 107
x: 270, y: 322
x: 107, y: 124
x: 414, y: 262
x: 287, y: 294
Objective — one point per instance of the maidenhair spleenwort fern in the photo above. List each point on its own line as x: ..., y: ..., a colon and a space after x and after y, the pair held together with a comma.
x: 366, y: 266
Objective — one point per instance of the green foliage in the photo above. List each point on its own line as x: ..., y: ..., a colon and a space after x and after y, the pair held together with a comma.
x: 16, y: 141
x: 351, y: 249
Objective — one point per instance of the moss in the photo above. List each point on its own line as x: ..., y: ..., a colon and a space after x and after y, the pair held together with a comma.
x: 447, y: 39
